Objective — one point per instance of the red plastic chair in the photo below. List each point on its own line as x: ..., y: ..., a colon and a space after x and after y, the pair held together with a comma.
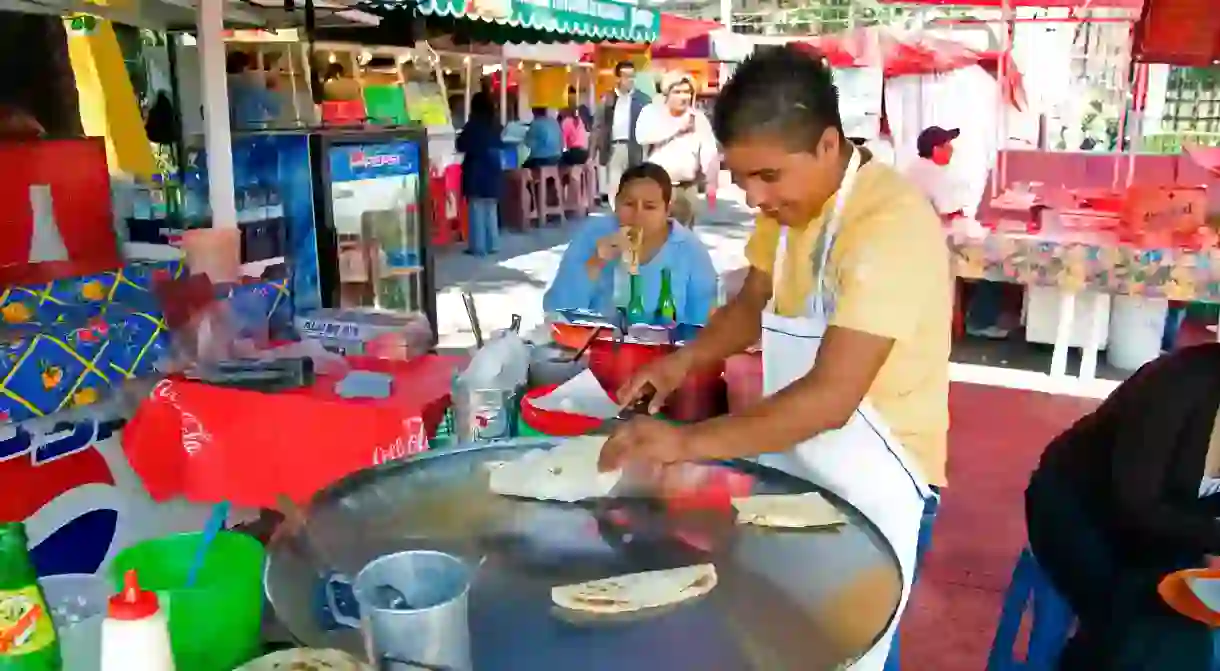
x: 442, y: 232
x: 460, y: 221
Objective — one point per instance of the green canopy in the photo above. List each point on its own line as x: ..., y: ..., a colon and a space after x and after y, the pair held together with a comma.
x: 550, y: 20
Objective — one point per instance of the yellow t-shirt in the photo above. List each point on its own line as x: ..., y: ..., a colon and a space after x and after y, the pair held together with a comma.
x: 888, y: 275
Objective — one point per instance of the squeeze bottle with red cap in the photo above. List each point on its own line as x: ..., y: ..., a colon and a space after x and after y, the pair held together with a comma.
x: 135, y: 633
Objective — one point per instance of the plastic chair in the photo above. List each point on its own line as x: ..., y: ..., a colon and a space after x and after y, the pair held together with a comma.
x: 1050, y: 624
x: 593, y: 192
x: 546, y: 182
x: 459, y: 221
x: 442, y: 231
x: 518, y: 206
x: 575, y: 200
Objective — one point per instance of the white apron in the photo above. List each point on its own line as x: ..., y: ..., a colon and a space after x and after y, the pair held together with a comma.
x: 862, y: 462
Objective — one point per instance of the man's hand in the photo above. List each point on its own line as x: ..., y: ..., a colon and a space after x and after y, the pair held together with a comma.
x: 662, y: 377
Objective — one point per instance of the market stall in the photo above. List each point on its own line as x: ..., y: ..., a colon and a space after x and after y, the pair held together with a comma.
x: 1077, y: 245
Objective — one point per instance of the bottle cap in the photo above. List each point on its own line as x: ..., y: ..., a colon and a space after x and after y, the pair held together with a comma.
x: 132, y: 603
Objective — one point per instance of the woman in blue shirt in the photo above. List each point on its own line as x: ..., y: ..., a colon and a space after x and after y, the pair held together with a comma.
x: 544, y: 139
x: 586, y: 277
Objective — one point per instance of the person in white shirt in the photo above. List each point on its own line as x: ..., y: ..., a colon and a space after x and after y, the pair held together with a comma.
x: 614, y: 137
x: 679, y: 138
x: 930, y: 172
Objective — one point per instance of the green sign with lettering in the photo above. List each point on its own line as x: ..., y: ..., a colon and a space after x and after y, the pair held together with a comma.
x: 579, y: 19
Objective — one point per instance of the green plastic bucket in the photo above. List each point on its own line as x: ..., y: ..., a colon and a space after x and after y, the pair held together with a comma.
x: 215, y: 625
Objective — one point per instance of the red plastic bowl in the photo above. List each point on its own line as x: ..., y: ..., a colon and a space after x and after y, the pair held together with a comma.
x: 553, y: 422
x: 572, y: 336
x: 702, y: 394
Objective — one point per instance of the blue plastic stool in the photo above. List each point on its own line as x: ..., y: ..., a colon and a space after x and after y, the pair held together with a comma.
x: 1051, y: 621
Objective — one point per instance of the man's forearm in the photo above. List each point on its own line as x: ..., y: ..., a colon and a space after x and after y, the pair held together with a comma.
x: 776, y: 423
x: 732, y: 329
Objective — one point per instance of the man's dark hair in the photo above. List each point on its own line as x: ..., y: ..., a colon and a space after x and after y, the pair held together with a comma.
x: 623, y: 65
x: 238, y: 62
x: 539, y: 112
x: 787, y: 91
x: 649, y: 171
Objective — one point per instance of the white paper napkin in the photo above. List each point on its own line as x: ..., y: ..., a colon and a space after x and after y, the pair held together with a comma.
x: 582, y: 395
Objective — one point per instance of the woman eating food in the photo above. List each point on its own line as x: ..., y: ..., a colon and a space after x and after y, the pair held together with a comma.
x: 1128, y: 495
x: 640, y: 239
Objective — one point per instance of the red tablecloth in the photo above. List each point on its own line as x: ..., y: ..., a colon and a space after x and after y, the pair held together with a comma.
x: 211, y: 444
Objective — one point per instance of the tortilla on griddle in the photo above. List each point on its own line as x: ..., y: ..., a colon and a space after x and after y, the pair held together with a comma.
x: 788, y: 511
x: 567, y: 472
x: 637, y: 591
x: 307, y: 659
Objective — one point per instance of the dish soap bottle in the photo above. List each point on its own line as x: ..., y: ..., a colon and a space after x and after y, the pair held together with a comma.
x: 135, y: 633
x: 27, y: 635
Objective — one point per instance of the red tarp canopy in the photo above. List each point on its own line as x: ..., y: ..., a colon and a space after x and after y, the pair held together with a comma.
x: 1179, y: 32
x: 899, y: 54
x: 676, y: 31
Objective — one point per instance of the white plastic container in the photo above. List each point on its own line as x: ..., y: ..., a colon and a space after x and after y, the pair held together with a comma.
x: 135, y: 633
x: 1137, y: 325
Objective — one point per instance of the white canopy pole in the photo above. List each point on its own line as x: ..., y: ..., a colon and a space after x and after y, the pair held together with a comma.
x: 503, y: 90
x: 999, y: 176
x: 468, y: 61
x: 217, y: 137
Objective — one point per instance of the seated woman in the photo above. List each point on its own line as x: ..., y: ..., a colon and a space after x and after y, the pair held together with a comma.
x: 544, y: 139
x: 1128, y: 495
x: 587, y: 273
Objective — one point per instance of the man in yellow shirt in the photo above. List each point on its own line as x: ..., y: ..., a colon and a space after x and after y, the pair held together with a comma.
x: 850, y: 291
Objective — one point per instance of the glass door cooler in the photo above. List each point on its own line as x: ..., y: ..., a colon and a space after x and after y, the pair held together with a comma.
x: 372, y: 205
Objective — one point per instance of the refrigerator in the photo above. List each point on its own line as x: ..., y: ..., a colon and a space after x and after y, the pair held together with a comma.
x: 371, y: 203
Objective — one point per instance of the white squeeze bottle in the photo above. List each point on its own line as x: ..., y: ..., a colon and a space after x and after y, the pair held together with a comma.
x: 135, y: 633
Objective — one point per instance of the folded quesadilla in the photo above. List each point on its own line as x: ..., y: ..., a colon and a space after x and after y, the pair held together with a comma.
x: 637, y: 591
x: 788, y: 511
x: 567, y: 472
x: 307, y: 659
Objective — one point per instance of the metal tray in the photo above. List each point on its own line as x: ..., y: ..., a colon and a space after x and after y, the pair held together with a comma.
x: 802, y: 600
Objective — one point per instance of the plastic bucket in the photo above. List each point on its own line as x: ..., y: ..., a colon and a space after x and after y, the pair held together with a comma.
x: 215, y: 625
x: 1137, y: 325
x: 78, y: 605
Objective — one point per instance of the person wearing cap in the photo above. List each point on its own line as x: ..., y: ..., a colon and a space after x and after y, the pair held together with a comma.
x: 679, y: 138
x: 931, y: 173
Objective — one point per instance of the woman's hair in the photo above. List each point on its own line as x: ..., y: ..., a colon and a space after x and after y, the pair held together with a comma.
x: 786, y: 91
x: 539, y: 111
x: 238, y: 62
x: 652, y: 172
x: 481, y: 107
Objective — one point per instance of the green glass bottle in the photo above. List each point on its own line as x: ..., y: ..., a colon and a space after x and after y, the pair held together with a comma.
x: 27, y: 635
x: 635, y: 307
x: 667, y: 311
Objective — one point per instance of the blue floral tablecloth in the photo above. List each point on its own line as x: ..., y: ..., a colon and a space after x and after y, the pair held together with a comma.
x: 67, y: 343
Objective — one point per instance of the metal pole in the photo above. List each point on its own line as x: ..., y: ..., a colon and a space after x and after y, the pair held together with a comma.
x: 999, y: 175
x: 217, y: 134
x: 726, y: 17
x: 1124, y: 89
x: 503, y: 90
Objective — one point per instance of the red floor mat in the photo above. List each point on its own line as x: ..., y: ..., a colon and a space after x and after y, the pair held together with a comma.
x: 996, y: 438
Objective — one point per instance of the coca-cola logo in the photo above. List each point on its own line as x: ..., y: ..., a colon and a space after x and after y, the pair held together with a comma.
x: 412, y: 441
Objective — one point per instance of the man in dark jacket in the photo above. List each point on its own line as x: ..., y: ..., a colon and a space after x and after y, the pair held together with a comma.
x: 614, y: 132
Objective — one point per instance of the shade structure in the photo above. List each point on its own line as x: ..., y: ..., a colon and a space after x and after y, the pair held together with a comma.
x: 1207, y: 158
x: 899, y: 54
x: 502, y: 21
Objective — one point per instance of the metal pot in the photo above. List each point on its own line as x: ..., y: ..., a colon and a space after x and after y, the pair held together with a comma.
x: 552, y: 364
